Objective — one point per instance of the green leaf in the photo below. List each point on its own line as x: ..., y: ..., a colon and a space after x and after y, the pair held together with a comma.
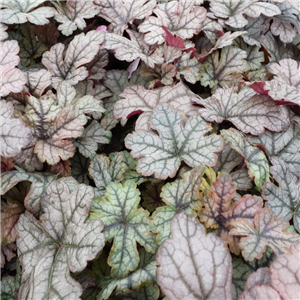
x: 146, y: 271
x: 255, y: 159
x: 8, y: 288
x: 182, y: 195
x: 59, y: 243
x: 125, y: 223
x: 179, y: 139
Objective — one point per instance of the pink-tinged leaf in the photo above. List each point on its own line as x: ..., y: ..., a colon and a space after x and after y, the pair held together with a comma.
x: 120, y: 13
x: 20, y: 11
x: 72, y: 14
x: 137, y: 98
x: 286, y: 84
x: 10, y: 213
x: 182, y: 18
x: 173, y: 41
x: 267, y: 230
x: 260, y: 292
x: 60, y: 242
x: 261, y: 277
x: 14, y: 134
x: 68, y: 64
x: 193, y: 264
x: 285, y: 275
x: 219, y: 213
x: 8, y: 252
x: 259, y: 87
x: 248, y: 111
x: 284, y: 199
x: 234, y: 11
x: 12, y: 79
x: 179, y: 139
x: 131, y: 49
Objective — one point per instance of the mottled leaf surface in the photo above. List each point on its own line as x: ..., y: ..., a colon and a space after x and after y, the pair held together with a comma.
x: 247, y: 110
x: 125, y: 223
x: 193, y: 264
x: 266, y: 230
x: 255, y: 159
x: 179, y: 139
x: 59, y: 243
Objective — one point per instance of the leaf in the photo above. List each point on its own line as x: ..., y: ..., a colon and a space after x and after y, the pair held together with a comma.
x: 178, y: 140
x: 8, y: 253
x: 132, y: 49
x: 59, y: 243
x: 30, y: 48
x: 182, y: 18
x: 79, y: 168
x: 223, y: 70
x: 136, y: 98
x: 126, y: 224
x: 188, y: 66
x: 53, y: 124
x: 284, y: 200
x: 39, y: 183
x: 193, y: 264
x: 247, y: 110
x: 282, y: 144
x: 146, y: 291
x: 8, y: 288
x: 68, y: 64
x: 14, y: 134
x: 234, y: 11
x: 120, y: 13
x: 10, y: 213
x: 267, y: 230
x: 285, y: 276
x: 260, y: 292
x: 286, y: 84
x: 47, y: 34
x: 103, y: 170
x: 255, y: 159
x: 93, y: 135
x: 182, y: 195
x: 21, y: 11
x: 285, y: 25
x: 72, y: 14
x: 12, y: 79
x: 146, y: 271
x: 219, y: 213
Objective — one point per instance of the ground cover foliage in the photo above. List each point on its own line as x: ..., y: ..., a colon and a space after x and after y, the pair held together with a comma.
x: 150, y: 149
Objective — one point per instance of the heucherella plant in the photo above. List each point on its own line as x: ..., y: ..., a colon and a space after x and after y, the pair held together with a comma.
x: 150, y: 149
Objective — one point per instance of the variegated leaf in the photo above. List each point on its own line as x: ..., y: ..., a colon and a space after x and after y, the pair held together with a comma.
x: 121, y: 204
x: 178, y: 140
